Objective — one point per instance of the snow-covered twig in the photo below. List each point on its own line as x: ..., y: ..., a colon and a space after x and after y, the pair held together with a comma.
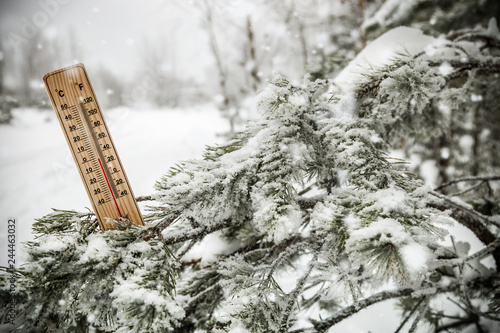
x: 412, y: 311
x: 293, y: 295
x: 475, y: 221
x: 144, y: 198
x: 470, y: 189
x: 468, y: 179
x: 485, y: 251
x: 196, y: 233
x: 420, y: 314
x: 324, y: 325
x: 198, y: 298
x: 469, y: 212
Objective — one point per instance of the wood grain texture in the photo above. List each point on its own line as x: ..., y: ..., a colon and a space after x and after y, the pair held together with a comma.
x: 91, y: 145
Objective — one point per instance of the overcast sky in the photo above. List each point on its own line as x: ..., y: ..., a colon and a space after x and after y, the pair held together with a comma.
x: 113, y: 32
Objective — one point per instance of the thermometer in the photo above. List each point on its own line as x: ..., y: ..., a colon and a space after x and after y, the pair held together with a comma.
x: 93, y: 150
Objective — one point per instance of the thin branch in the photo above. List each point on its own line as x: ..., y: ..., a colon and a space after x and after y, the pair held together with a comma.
x: 307, y: 203
x: 144, y: 198
x: 412, y: 311
x: 490, y: 248
x: 472, y: 309
x: 254, y: 72
x: 196, y: 233
x: 290, y: 249
x: 214, y: 47
x: 458, y: 323
x: 199, y: 297
x: 421, y: 312
x: 305, y: 190
x: 487, y: 66
x: 468, y: 179
x: 187, y: 248
x: 324, y: 325
x: 453, y: 204
x: 293, y: 295
x: 475, y: 221
x: 470, y: 189
x: 489, y: 40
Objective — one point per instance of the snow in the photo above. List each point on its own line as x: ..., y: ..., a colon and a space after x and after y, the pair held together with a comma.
x: 466, y: 143
x: 384, y: 50
x: 390, y: 10
x: 493, y: 28
x: 96, y: 250
x: 476, y: 98
x: 210, y: 248
x: 55, y: 243
x: 386, y: 200
x: 389, y: 230
x: 37, y: 172
x: 429, y: 172
x: 352, y: 221
x: 445, y: 68
x: 416, y: 257
x: 91, y: 318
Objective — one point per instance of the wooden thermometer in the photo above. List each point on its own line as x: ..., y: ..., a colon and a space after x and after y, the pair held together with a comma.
x: 89, y: 140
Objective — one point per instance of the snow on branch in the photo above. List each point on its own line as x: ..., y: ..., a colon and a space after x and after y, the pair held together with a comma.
x: 324, y: 325
x: 468, y: 179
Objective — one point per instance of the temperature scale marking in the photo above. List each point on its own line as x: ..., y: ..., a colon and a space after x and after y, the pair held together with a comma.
x: 93, y: 150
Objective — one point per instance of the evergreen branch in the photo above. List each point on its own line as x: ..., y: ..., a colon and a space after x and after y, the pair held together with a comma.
x: 188, y: 247
x: 193, y: 303
x: 144, y: 198
x: 293, y: 295
x: 472, y: 309
x: 197, y: 233
x: 458, y: 323
x: 471, y: 213
x: 270, y: 250
x: 490, y: 248
x: 410, y: 314
x: 467, y: 190
x: 468, y: 179
x: 284, y: 254
x: 488, y: 40
x: 486, y: 67
x: 324, y: 325
x: 472, y: 219
x: 420, y: 314
x: 307, y: 203
x: 481, y: 65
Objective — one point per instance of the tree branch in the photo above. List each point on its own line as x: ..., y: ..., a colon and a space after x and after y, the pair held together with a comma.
x: 412, y: 311
x: 200, y: 232
x: 459, y: 323
x: 324, y: 325
x: 471, y: 219
x: 468, y: 179
x: 293, y: 295
x: 144, y: 198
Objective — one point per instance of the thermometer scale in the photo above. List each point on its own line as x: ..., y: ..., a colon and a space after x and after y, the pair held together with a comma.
x: 93, y: 150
